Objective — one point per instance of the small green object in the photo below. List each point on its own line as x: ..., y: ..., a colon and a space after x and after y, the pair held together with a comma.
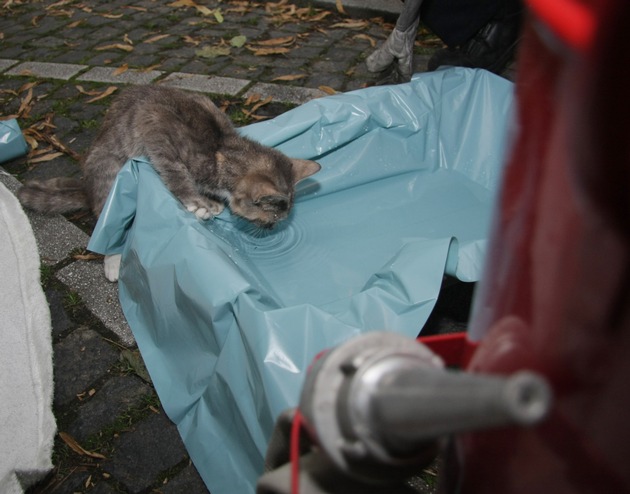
x: 238, y: 41
x: 212, y: 51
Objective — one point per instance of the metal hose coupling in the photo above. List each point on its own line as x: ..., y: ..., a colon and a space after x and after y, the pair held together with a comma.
x: 378, y: 404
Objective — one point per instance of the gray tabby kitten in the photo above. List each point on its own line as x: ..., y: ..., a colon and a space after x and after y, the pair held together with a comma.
x: 195, y: 149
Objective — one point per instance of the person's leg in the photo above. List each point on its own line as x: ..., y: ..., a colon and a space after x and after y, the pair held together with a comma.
x: 486, y: 38
x: 399, y: 45
x: 456, y: 21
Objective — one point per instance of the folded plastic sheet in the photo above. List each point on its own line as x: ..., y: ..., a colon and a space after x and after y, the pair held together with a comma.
x: 12, y: 143
x: 228, y: 317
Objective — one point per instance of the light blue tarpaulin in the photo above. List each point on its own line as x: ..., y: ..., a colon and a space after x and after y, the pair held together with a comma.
x: 12, y: 143
x: 228, y: 317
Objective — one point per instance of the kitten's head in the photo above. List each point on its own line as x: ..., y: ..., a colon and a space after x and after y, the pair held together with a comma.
x: 264, y: 195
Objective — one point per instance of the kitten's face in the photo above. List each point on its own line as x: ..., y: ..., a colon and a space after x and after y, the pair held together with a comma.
x: 264, y: 197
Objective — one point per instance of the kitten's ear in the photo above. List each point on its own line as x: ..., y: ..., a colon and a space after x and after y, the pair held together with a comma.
x: 304, y: 168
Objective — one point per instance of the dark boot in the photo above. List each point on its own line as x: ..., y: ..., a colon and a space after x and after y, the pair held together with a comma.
x: 492, y: 48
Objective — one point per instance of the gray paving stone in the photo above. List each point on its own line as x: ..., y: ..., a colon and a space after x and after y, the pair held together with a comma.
x: 186, y: 481
x: 58, y: 315
x: 73, y: 56
x: 118, y: 395
x: 15, y: 51
x: 106, y: 33
x: 205, y: 84
x: 204, y: 67
x: 81, y: 358
x: 238, y: 71
x: 103, y: 488
x: 140, y: 455
x: 52, y: 42
x: 73, y: 483
x: 99, y: 295
x: 106, y: 58
x: 364, y: 8
x: 107, y: 74
x: 63, y: 71
x: 330, y: 80
x: 285, y: 94
x: 5, y: 64
x: 55, y: 236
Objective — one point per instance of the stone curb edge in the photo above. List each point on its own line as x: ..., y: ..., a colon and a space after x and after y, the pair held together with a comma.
x: 192, y: 82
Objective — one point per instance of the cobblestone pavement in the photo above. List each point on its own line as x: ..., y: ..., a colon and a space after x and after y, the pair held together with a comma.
x: 60, y: 62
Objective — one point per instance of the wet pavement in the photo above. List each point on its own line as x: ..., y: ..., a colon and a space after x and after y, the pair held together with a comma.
x: 60, y: 63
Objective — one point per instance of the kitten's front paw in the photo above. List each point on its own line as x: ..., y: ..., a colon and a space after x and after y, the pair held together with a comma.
x: 206, y: 209
x: 111, y: 264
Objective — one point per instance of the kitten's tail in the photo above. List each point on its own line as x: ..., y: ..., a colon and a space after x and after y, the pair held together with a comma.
x: 54, y: 196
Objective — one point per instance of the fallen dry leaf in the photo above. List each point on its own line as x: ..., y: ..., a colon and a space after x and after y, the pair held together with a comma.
x: 39, y: 152
x: 283, y: 41
x: 239, y: 8
x: 89, y: 93
x: 57, y: 144
x: 88, y: 257
x: 109, y: 91
x: 191, y: 41
x: 35, y: 152
x: 267, y: 100
x: 327, y: 89
x: 352, y: 24
x: 27, y: 86
x: 115, y: 46
x: 41, y: 131
x: 202, y: 9
x: 367, y: 38
x: 46, y: 157
x: 77, y: 448
x: 182, y: 3
x: 263, y: 52
x: 225, y: 104
x: 321, y: 16
x: 112, y: 16
x: 26, y: 104
x: 32, y: 142
x: 340, y: 7
x: 123, y: 68
x: 256, y: 117
x: 283, y: 12
x: 62, y: 13
x: 58, y: 4
x: 252, y: 98
x: 149, y: 68
x: 156, y: 38
x: 289, y: 77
